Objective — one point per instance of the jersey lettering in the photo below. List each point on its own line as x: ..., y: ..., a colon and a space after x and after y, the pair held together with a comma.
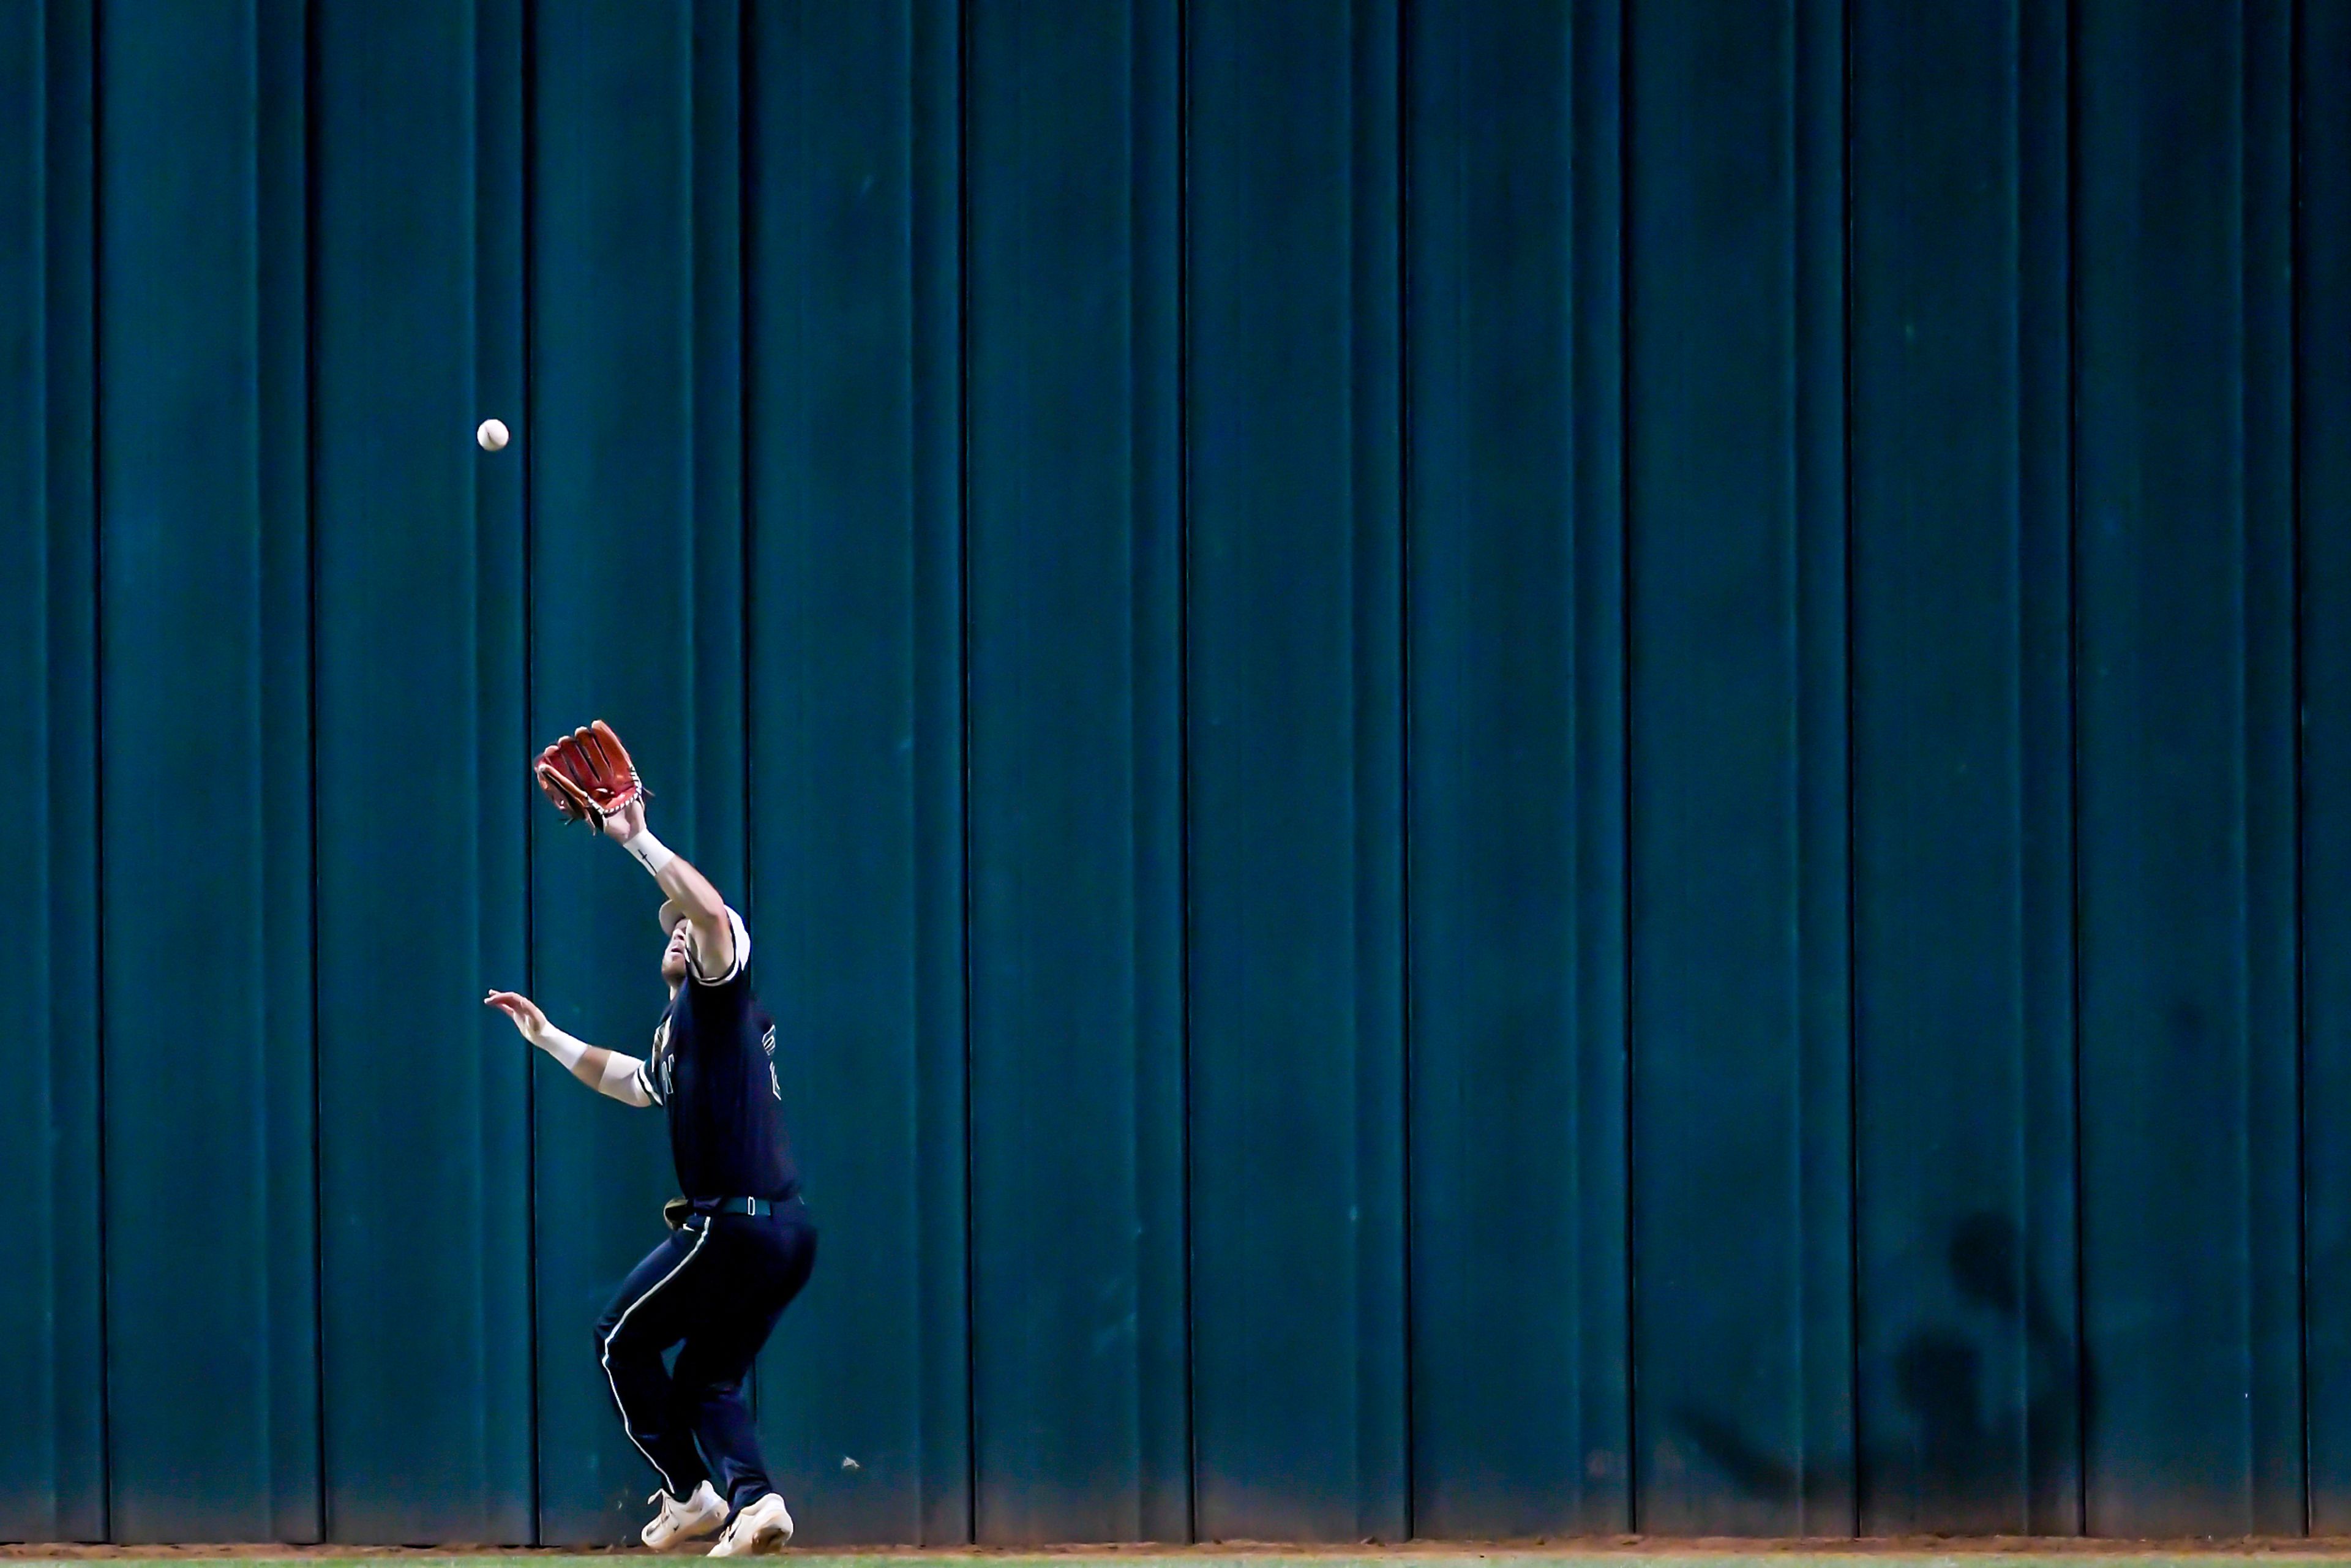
x: 727, y: 1140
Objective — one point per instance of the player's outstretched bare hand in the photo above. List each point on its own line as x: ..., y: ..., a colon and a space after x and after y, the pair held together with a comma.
x: 527, y: 1020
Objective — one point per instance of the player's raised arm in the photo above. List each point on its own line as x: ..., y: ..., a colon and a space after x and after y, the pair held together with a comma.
x: 607, y: 1072
x: 681, y: 885
x: 589, y: 776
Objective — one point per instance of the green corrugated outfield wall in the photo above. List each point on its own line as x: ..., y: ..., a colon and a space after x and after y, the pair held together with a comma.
x: 1505, y: 768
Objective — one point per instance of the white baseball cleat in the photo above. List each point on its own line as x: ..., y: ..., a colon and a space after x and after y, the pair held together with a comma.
x: 762, y: 1526
x: 700, y: 1514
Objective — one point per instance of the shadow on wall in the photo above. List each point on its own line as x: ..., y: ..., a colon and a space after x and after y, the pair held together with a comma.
x: 1964, y: 1460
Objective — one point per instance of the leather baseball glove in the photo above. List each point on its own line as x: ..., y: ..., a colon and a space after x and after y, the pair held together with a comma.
x: 589, y: 776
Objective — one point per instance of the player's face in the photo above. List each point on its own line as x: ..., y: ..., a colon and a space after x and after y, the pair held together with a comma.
x: 673, y: 955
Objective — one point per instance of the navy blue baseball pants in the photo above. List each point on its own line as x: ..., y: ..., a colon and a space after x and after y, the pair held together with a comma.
x: 715, y: 1290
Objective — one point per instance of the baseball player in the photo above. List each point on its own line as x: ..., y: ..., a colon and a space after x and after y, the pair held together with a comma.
x: 741, y: 1244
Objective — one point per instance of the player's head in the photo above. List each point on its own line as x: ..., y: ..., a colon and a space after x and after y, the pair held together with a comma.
x: 674, y: 931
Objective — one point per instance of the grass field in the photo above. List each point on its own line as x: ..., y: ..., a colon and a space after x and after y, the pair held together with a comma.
x: 1629, y: 1555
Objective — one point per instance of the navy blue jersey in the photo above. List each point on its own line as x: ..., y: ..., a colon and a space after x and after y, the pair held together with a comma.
x: 712, y: 1069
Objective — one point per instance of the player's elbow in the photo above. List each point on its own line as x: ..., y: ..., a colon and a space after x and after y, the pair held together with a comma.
x: 699, y: 906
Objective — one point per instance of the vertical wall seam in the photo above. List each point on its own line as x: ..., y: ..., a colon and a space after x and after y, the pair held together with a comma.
x: 268, y: 522
x: 1183, y: 685
x: 2246, y: 240
x: 43, y: 396
x: 687, y: 562
x: 2298, y: 676
x: 527, y: 69
x: 479, y: 705
x: 2020, y: 692
x: 1626, y: 589
x: 1812, y: 316
x: 309, y: 325
x: 962, y: 121
x: 98, y: 769
x: 252, y: 698
x: 1792, y: 185
x: 1854, y: 1412
x: 745, y: 76
x: 2071, y: 140
x: 1789, y: 559
x: 1402, y: 913
x: 1157, y: 24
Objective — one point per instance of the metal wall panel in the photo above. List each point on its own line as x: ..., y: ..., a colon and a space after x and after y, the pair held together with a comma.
x: 1971, y: 1388
x: 1078, y: 1245
x: 629, y: 622
x: 855, y: 400
x: 52, y: 1376
x: 1740, y: 1006
x: 2322, y: 270
x: 204, y: 686
x: 2186, y: 796
x: 1515, y: 527
x: 423, y: 1093
x: 1295, y: 775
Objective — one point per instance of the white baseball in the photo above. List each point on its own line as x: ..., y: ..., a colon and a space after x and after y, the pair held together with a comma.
x: 492, y: 435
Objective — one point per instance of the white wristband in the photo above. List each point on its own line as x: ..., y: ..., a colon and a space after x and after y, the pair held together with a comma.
x: 650, y: 853
x: 562, y: 1046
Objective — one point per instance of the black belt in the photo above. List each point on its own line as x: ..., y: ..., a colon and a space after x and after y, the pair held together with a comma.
x: 683, y: 1212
